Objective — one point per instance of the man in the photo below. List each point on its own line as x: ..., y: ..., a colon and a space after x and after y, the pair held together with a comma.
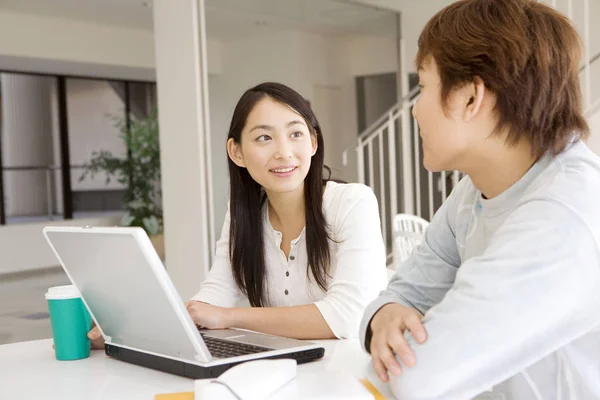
x: 503, y: 292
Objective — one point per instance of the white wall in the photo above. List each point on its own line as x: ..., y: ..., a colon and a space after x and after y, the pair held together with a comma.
x: 415, y: 15
x: 221, y: 105
x: 370, y: 55
x: 70, y: 40
x: 23, y: 247
x: 594, y: 42
x: 325, y: 101
x: 594, y: 140
x: 60, y: 45
x: 325, y: 81
x: 594, y: 86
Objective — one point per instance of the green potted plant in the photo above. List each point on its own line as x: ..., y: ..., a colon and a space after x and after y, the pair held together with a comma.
x: 139, y: 171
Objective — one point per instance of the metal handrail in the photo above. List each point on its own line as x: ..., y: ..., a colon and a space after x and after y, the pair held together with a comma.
x: 48, y: 169
x: 384, y: 116
x: 592, y: 60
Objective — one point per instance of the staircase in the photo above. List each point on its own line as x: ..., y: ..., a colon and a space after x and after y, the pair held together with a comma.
x: 389, y: 152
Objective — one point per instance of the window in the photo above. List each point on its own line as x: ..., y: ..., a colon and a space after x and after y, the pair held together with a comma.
x: 49, y: 127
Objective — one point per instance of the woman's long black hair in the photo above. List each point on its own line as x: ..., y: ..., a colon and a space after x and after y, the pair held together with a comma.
x: 246, y: 246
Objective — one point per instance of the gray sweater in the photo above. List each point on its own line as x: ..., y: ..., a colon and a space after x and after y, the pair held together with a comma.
x: 509, y: 288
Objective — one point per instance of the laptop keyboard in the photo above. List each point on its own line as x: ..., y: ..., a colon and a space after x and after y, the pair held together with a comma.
x: 225, y: 348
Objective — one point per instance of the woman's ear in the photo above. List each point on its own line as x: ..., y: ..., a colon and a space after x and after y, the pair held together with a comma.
x: 314, y: 142
x: 235, y: 153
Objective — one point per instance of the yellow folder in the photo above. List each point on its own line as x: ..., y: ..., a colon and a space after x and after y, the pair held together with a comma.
x: 175, y: 396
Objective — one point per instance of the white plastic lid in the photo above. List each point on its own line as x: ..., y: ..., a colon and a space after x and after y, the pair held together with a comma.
x: 62, y: 292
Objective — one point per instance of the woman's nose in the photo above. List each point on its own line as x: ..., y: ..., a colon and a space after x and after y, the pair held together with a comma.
x: 284, y: 150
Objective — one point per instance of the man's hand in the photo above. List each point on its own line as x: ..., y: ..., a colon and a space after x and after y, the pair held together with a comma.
x: 208, y: 316
x: 387, y: 340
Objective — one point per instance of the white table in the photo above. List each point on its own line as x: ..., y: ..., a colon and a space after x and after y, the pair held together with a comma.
x: 28, y: 370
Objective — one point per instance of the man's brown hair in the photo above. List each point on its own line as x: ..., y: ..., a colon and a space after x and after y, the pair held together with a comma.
x: 526, y: 53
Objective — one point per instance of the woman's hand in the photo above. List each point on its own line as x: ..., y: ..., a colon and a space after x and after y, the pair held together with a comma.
x: 96, y: 339
x: 208, y: 316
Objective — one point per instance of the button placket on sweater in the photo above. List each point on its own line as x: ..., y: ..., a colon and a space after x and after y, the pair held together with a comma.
x: 279, y: 240
x: 289, y: 265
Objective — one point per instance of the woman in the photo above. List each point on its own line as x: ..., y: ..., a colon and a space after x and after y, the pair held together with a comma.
x: 305, y: 251
x: 503, y: 292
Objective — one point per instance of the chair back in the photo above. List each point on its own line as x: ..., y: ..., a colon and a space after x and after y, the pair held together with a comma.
x: 408, y: 235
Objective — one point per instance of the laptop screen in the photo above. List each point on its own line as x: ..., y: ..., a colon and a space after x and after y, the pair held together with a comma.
x: 127, y: 290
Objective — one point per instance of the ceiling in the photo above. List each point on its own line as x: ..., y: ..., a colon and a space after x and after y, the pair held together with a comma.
x: 227, y: 19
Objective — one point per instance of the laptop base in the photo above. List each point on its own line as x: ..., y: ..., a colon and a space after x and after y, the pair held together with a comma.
x: 194, y: 371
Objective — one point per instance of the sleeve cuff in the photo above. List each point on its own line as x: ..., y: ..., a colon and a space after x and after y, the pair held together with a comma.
x: 370, y: 311
x: 206, y: 298
x: 342, y: 328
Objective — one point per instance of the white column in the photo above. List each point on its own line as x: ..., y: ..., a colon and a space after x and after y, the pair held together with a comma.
x: 182, y: 85
x: 408, y: 204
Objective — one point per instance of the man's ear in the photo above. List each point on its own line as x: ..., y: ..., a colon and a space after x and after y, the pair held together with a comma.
x: 474, y: 94
x: 235, y: 153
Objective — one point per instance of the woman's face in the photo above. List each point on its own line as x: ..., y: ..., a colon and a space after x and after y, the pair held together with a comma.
x: 276, y: 147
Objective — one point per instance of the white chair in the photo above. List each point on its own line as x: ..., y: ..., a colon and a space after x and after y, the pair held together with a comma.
x: 408, y: 235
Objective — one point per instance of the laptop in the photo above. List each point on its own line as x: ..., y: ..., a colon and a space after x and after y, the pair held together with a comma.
x: 132, y: 300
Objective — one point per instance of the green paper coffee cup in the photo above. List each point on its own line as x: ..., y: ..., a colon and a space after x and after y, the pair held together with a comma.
x: 70, y: 322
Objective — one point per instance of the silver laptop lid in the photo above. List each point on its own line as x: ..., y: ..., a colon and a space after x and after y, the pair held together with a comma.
x: 127, y: 290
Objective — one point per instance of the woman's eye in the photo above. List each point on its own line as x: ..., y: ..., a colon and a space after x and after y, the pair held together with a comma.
x: 297, y: 134
x: 263, y: 138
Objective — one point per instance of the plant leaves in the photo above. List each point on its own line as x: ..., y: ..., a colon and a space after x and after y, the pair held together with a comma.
x: 127, y: 219
x: 139, y: 170
x: 151, y: 225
